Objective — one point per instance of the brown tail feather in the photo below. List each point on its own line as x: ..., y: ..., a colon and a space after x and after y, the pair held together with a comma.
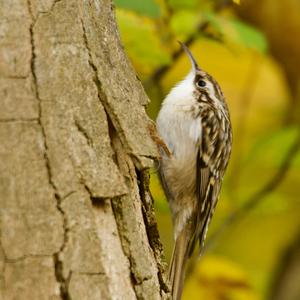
x: 177, y: 265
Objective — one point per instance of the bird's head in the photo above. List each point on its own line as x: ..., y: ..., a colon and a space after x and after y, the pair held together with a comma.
x: 205, y: 86
x: 198, y: 85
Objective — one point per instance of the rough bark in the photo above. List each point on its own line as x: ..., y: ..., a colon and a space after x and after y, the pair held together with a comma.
x: 76, y: 216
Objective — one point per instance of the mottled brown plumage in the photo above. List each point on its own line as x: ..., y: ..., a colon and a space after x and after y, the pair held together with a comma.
x: 195, y: 125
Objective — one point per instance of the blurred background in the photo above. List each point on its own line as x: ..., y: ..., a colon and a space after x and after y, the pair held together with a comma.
x: 252, y: 48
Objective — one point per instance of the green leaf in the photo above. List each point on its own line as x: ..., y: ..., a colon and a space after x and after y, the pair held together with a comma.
x: 187, y: 4
x: 141, y: 42
x: 144, y: 7
x: 272, y: 148
x: 235, y: 31
x: 214, y: 21
x: 184, y: 23
x: 250, y: 36
x: 262, y: 161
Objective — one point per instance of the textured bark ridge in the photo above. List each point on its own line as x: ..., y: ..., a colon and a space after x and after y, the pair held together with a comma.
x: 76, y: 216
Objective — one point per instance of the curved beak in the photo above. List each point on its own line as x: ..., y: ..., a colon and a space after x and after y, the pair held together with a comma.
x: 190, y: 55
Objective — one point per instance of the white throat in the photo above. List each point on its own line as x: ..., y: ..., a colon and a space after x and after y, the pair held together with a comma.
x: 182, y: 93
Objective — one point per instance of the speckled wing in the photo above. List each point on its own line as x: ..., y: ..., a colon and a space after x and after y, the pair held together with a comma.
x: 210, y: 169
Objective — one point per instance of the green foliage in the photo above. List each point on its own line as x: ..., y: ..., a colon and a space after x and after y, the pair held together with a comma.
x: 140, y: 38
x: 297, y: 161
x: 249, y: 36
x: 269, y: 152
x: 236, y: 31
x: 145, y: 7
x: 272, y: 148
x: 187, y: 4
x: 184, y: 22
x: 214, y: 20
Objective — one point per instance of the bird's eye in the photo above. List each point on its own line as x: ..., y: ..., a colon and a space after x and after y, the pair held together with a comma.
x: 201, y: 83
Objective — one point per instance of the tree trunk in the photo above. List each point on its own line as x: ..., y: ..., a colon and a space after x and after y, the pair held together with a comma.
x: 76, y: 215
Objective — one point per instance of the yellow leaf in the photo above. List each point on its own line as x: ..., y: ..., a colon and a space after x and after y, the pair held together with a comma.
x: 237, y: 1
x: 217, y: 278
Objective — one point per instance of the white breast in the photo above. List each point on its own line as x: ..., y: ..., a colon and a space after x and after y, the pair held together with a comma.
x: 181, y: 131
x: 175, y: 122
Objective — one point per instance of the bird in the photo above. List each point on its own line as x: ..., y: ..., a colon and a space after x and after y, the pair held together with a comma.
x: 194, y: 123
